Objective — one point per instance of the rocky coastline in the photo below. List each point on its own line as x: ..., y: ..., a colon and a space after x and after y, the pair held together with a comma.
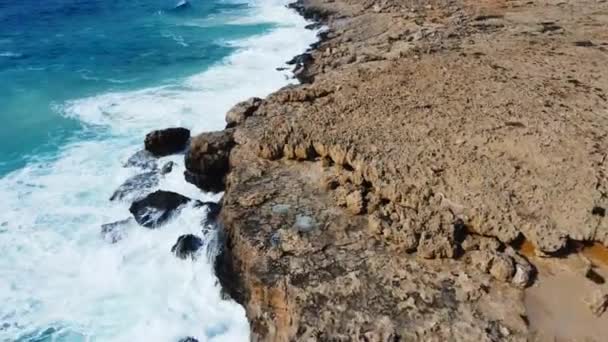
x: 438, y: 175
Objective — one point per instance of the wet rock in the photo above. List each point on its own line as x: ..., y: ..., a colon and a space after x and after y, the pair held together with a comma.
x: 597, y: 302
x: 188, y: 339
x: 156, y: 208
x: 207, y: 160
x: 167, y: 141
x: 187, y: 246
x: 241, y: 111
x: 302, y: 59
x: 135, y: 186
x: 167, y: 168
x: 142, y: 159
x: 213, y: 210
x: 116, y: 231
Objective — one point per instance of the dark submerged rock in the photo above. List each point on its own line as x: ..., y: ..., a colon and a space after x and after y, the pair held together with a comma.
x: 188, y: 339
x: 116, y: 231
x: 156, y: 208
x: 167, y: 141
x: 187, y: 246
x: 136, y: 185
x: 213, y: 210
x: 167, y: 168
x: 207, y: 160
x: 143, y: 160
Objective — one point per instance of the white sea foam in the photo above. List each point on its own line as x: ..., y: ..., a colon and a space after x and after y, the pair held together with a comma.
x: 200, y: 101
x: 57, y: 272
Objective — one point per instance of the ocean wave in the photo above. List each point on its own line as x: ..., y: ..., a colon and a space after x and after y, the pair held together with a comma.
x: 200, y: 101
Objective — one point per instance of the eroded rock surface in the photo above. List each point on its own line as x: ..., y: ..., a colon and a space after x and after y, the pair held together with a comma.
x: 207, y: 160
x: 383, y: 199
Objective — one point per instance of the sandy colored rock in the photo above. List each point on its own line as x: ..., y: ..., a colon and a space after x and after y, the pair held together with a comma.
x: 597, y: 302
x: 241, y: 111
x: 459, y: 128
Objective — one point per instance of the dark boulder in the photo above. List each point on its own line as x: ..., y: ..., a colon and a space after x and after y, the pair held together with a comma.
x: 136, y: 186
x: 304, y: 59
x: 309, y: 11
x: 142, y: 159
x: 207, y: 160
x: 187, y: 246
x: 167, y: 168
x: 213, y: 211
x: 156, y: 208
x: 116, y: 231
x: 167, y: 141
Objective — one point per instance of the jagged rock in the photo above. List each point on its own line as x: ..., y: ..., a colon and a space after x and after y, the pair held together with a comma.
x: 502, y: 267
x: 116, y: 231
x: 305, y: 58
x: 167, y: 141
x: 136, y: 185
x: 187, y: 246
x: 354, y: 202
x: 188, y: 339
x: 207, y: 160
x: 241, y: 111
x: 142, y: 159
x: 481, y: 260
x: 156, y: 208
x: 167, y: 168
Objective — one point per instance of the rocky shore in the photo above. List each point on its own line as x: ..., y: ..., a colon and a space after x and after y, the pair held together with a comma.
x: 439, y: 175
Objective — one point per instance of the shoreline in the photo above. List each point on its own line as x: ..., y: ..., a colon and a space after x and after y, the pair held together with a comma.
x: 416, y: 186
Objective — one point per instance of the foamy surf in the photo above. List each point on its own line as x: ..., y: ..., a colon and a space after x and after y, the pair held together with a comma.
x: 59, y: 280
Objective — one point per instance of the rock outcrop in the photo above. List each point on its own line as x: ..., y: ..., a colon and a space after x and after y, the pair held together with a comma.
x: 242, y: 111
x: 387, y: 199
x: 207, y: 160
x: 167, y: 141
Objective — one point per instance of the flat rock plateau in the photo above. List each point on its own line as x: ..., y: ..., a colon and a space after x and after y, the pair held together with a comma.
x: 439, y: 175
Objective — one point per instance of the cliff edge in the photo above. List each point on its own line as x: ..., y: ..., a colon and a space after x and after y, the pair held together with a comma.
x: 441, y: 162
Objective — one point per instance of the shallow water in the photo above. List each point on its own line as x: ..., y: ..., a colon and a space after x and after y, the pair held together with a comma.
x: 83, y: 81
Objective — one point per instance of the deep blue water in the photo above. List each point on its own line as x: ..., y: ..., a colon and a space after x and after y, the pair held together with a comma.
x: 52, y: 51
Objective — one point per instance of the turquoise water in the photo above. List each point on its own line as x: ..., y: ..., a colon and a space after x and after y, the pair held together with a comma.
x: 83, y: 81
x: 58, y: 50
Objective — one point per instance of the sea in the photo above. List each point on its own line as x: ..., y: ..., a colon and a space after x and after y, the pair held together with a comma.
x: 81, y: 83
